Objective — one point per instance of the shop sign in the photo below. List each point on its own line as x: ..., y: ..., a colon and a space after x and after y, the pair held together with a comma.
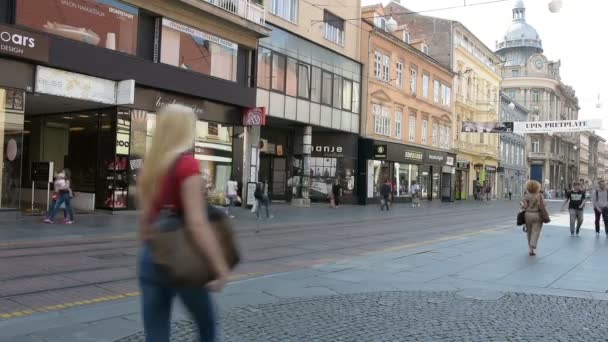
x: 491, y: 168
x: 414, y: 155
x: 463, y: 164
x: 24, y: 44
x: 77, y: 86
x: 42, y: 171
x: 380, y: 151
x: 254, y: 117
x: 436, y: 158
x: 501, y: 169
x: 333, y: 145
x: 449, y: 161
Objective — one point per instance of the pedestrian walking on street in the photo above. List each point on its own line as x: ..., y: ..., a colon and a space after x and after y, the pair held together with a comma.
x: 231, y: 195
x: 385, y: 192
x: 262, y: 196
x: 415, y: 191
x: 534, y: 204
x: 600, y: 207
x: 336, y: 193
x: 510, y: 195
x: 576, y: 206
x: 63, y: 186
x: 170, y: 180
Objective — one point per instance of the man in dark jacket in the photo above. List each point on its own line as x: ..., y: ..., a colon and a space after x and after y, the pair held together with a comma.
x: 385, y: 192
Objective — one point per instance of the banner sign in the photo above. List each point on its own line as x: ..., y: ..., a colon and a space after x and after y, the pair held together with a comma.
x: 557, y: 126
x: 487, y: 127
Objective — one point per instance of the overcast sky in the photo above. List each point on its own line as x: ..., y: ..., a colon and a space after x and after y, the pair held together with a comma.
x: 576, y: 36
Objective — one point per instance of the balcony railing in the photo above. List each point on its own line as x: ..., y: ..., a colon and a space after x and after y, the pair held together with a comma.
x: 243, y: 8
x: 475, y: 52
x: 518, y: 43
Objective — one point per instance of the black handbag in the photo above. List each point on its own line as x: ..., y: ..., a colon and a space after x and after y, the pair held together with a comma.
x: 521, y: 218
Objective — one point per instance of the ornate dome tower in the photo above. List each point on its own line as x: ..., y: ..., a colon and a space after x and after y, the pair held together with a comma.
x: 521, y: 39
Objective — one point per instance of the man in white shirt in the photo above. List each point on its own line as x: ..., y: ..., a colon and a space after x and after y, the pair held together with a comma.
x: 600, y: 206
x: 231, y: 195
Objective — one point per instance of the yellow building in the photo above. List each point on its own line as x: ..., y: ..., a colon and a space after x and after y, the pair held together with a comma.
x: 477, y: 99
x: 477, y: 92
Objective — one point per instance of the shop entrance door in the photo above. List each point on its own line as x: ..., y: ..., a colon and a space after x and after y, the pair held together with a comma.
x: 274, y: 170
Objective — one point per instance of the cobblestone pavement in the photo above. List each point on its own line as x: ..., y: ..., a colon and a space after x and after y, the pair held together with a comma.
x: 414, y: 316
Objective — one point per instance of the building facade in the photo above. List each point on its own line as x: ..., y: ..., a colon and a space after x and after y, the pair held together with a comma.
x: 602, y: 172
x: 309, y: 81
x: 408, y: 119
x: 81, y: 81
x: 513, y: 165
x: 534, y: 81
x: 477, y: 86
x: 591, y: 167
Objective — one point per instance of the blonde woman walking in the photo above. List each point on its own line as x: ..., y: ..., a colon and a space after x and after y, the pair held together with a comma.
x: 534, y: 204
x: 171, y: 180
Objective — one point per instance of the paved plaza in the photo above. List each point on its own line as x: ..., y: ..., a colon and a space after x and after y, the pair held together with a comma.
x: 474, y: 284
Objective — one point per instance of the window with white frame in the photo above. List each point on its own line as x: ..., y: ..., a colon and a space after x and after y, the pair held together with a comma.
x: 448, y: 136
x: 536, y: 146
x: 333, y: 28
x: 286, y: 9
x: 398, y: 116
x: 535, y: 96
x: 382, y: 66
x: 435, y: 134
x: 406, y: 37
x: 436, y: 91
x: 412, y: 134
x: 507, y: 155
x: 425, y: 85
x: 413, y: 81
x: 446, y: 95
x: 502, y: 150
x: 425, y: 49
x: 382, y: 119
x: 379, y: 22
x: 425, y: 131
x: 399, y: 80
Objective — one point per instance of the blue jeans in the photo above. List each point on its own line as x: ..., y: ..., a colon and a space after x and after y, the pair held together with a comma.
x: 157, y: 301
x: 231, y: 200
x: 64, y: 197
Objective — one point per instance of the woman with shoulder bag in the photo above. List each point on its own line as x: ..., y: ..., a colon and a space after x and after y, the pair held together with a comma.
x: 536, y: 214
x: 170, y: 181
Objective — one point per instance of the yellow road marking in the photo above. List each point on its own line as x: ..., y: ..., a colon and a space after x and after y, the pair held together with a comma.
x: 97, y: 300
x: 100, y: 239
x: 235, y: 276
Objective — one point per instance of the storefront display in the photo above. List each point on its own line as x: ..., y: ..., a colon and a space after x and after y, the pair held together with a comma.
x: 333, y: 159
x: 404, y: 167
x: 11, y: 138
x: 104, y: 23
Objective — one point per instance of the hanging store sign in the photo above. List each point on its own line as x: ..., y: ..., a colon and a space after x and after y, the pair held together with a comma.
x: 487, y: 127
x: 254, y: 117
x: 77, y: 86
x: 24, y: 44
x: 557, y: 126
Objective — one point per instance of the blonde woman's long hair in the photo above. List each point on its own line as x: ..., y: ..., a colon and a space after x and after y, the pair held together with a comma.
x: 173, y: 135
